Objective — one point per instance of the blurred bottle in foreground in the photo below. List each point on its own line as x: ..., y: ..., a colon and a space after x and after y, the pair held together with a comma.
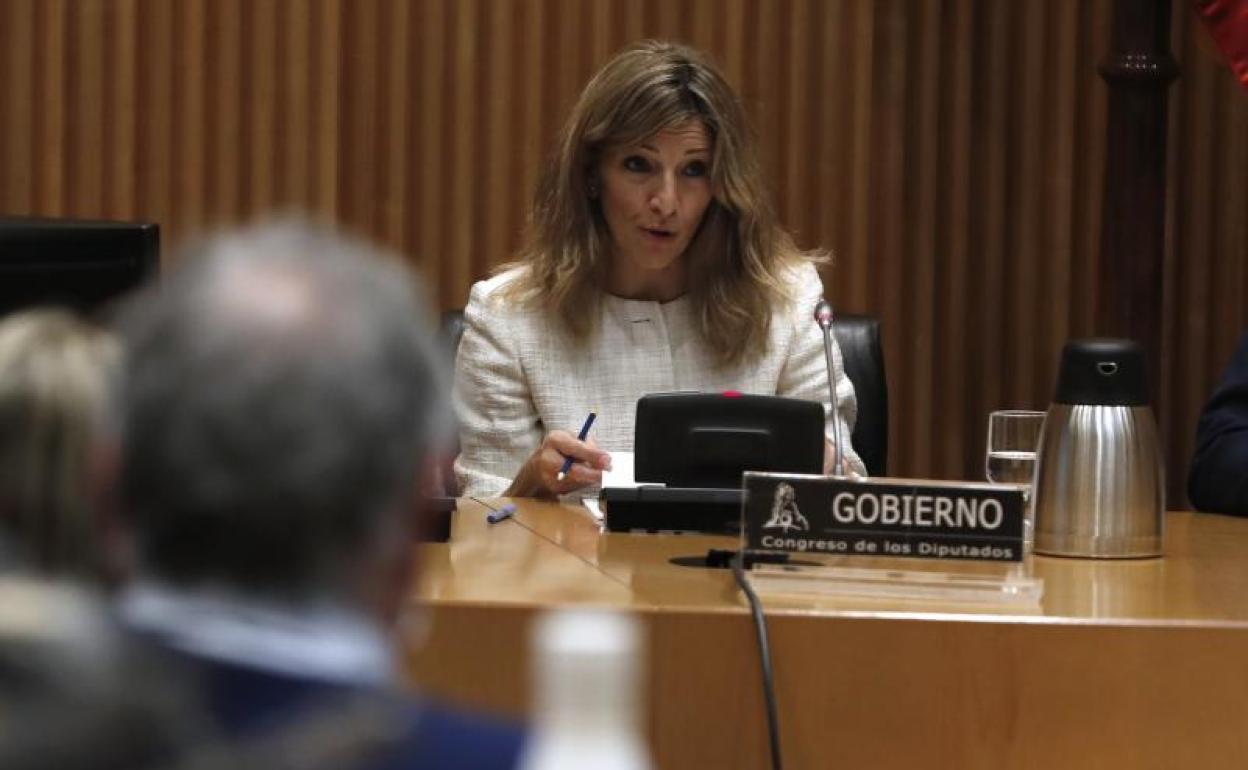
x: 588, y: 672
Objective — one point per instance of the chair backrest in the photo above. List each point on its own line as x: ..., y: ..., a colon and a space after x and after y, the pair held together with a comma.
x: 450, y: 329
x: 859, y: 339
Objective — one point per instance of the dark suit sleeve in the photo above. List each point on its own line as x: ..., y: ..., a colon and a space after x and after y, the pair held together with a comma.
x: 1218, y: 480
x: 445, y: 737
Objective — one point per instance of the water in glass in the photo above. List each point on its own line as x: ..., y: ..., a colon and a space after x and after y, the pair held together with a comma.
x: 1013, y: 438
x: 1008, y: 467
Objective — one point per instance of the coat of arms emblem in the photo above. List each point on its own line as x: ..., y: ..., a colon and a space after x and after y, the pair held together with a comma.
x: 784, y: 513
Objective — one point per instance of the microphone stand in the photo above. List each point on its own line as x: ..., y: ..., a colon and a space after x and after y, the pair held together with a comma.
x: 823, y: 317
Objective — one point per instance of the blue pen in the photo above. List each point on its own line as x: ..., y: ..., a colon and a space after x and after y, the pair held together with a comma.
x: 567, y: 461
x: 505, y: 512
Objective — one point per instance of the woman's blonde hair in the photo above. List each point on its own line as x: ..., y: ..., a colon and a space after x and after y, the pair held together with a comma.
x: 739, y: 256
x: 56, y: 378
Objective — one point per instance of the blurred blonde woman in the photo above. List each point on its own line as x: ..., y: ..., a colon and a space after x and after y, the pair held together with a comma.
x: 56, y: 375
x: 654, y: 262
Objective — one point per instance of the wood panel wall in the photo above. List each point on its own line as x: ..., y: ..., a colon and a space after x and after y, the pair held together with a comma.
x: 949, y: 152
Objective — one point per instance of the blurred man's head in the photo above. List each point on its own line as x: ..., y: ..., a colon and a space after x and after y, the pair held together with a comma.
x: 279, y: 398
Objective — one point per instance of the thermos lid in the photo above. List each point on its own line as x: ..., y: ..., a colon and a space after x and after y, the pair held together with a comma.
x: 1104, y: 372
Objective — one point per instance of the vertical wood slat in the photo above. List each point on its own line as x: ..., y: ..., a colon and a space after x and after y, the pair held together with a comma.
x: 121, y: 152
x: 798, y: 151
x: 189, y: 136
x: 1186, y: 190
x: 529, y: 140
x: 1028, y: 128
x: 296, y: 102
x: 989, y: 192
x: 327, y: 55
x: 923, y: 177
x: 1198, y: 223
x: 953, y: 449
x: 498, y: 204
x: 156, y: 41
x: 1173, y: 279
x: 18, y: 110
x: 947, y: 152
x: 429, y: 168
x: 262, y: 120
x: 856, y: 247
x: 1056, y: 228
x: 49, y: 128
x: 227, y: 166
x: 85, y: 89
x: 395, y: 136
x: 357, y: 117
x: 827, y: 110
x: 885, y: 200
x: 464, y: 143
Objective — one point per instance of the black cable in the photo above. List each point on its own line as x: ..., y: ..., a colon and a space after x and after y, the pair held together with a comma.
x: 764, y: 655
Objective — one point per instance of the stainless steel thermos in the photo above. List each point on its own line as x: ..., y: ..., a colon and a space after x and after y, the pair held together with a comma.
x: 1099, y: 487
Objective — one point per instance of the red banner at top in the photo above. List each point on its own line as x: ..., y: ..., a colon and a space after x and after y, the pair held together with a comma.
x: 1227, y: 21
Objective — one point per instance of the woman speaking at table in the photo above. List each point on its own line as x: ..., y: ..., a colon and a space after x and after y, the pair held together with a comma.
x: 653, y: 263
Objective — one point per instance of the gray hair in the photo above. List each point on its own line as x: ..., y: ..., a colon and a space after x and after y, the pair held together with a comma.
x: 280, y: 394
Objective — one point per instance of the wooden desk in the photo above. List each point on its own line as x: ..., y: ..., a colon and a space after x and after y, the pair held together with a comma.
x: 1127, y: 664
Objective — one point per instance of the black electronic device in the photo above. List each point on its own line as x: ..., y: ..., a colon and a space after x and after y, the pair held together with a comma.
x: 710, y: 439
x: 672, y: 509
x: 691, y: 449
x: 436, y: 527
x: 79, y: 264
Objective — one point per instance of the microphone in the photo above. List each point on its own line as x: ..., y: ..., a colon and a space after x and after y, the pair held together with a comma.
x: 823, y: 314
x: 823, y: 317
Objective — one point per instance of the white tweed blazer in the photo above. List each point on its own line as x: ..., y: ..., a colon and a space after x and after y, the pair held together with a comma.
x: 518, y: 376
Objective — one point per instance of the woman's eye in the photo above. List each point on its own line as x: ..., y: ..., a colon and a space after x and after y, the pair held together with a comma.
x: 696, y: 168
x: 636, y: 163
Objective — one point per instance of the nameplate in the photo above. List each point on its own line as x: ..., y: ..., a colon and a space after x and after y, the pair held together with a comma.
x: 882, y: 517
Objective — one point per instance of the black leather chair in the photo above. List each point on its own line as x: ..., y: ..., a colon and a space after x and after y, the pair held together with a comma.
x: 859, y: 339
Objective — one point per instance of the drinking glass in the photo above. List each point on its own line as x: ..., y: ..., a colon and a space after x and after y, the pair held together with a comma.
x: 1013, y: 437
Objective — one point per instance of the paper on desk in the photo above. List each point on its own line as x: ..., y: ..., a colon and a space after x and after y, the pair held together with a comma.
x: 621, y: 472
x: 591, y: 504
x: 620, y: 475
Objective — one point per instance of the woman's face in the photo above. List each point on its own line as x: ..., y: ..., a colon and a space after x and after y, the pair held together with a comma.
x: 654, y: 195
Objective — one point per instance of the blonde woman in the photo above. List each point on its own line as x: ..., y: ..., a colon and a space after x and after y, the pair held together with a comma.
x: 654, y: 263
x: 56, y: 375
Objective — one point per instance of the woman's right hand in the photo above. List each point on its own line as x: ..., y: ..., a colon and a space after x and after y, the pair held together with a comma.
x: 538, y: 477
